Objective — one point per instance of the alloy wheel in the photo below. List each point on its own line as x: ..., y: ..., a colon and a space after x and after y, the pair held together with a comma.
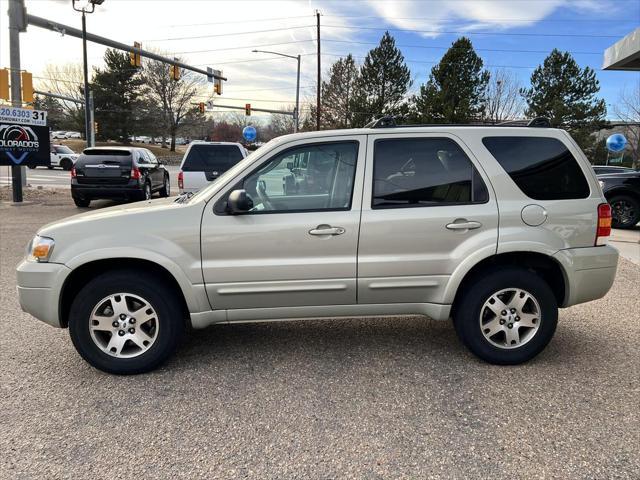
x: 124, y: 325
x: 510, y: 318
x: 623, y: 212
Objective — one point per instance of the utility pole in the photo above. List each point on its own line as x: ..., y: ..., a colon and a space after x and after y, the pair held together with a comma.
x: 318, y: 108
x: 17, y: 24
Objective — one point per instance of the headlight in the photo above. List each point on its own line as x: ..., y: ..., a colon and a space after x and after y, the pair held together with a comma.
x: 40, y: 249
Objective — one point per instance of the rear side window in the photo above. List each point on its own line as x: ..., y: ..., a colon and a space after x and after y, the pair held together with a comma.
x: 211, y: 158
x: 543, y: 168
x: 418, y: 172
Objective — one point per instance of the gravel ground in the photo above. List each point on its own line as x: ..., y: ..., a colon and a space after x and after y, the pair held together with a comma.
x: 374, y: 398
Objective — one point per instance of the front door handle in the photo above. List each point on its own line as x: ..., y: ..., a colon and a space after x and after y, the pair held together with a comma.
x: 322, y: 230
x: 463, y: 224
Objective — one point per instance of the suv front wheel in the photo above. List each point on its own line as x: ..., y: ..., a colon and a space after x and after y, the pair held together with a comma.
x: 125, y: 322
x: 507, y: 316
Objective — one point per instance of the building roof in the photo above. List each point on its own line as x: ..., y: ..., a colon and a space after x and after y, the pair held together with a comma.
x: 624, y: 54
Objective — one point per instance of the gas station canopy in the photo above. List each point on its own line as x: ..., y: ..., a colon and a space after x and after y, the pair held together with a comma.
x: 625, y: 54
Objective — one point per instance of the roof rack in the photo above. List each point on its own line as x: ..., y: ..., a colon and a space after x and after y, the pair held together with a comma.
x: 389, y: 121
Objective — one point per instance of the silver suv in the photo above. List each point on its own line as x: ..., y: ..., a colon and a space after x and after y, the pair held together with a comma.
x: 494, y: 227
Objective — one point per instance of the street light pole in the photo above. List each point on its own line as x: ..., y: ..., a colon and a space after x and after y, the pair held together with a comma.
x: 296, y: 116
x: 87, y: 126
x: 87, y: 120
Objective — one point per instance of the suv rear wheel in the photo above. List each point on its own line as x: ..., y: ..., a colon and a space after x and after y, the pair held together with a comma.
x: 165, y: 191
x: 125, y: 322
x: 66, y: 164
x: 507, y: 316
x: 81, y: 202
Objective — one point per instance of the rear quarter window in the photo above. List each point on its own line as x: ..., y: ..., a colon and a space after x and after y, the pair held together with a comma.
x: 542, y: 167
x: 208, y: 158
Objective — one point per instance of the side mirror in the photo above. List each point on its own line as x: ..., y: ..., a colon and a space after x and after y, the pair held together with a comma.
x: 239, y: 202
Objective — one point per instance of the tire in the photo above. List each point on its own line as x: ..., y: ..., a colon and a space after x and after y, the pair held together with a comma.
x: 32, y: 167
x: 66, y: 164
x: 533, y: 327
x: 625, y: 211
x: 165, y: 191
x: 146, y: 191
x: 81, y: 202
x: 163, y: 327
x: 50, y: 167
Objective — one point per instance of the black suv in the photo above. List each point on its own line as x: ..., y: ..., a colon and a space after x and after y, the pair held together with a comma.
x: 125, y: 173
x: 621, y: 187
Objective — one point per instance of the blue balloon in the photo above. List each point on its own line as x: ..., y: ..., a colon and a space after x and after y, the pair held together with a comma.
x: 616, y: 142
x: 249, y: 133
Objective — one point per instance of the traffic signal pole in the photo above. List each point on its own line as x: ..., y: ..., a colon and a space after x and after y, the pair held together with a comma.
x: 88, y: 126
x: 16, y: 25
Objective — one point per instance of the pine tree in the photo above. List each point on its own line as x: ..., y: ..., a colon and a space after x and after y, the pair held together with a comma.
x: 454, y: 92
x: 566, y: 94
x: 116, y: 90
x: 338, y: 92
x: 383, y: 83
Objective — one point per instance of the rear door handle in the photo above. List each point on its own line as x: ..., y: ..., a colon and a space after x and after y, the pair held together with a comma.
x: 322, y: 230
x: 462, y: 224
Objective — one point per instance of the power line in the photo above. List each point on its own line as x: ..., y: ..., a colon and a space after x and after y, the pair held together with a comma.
x: 519, y: 34
x: 228, y: 34
x: 261, y: 20
x: 246, y: 46
x: 504, y: 50
x: 476, y: 20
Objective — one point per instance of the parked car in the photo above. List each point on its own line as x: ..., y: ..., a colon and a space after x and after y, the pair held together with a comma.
x: 203, y: 162
x: 63, y: 157
x: 495, y: 227
x: 622, y: 190
x: 126, y: 173
x: 58, y: 135
x: 73, y: 135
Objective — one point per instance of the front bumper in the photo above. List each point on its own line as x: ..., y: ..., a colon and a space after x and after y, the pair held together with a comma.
x: 39, y: 288
x: 589, y: 271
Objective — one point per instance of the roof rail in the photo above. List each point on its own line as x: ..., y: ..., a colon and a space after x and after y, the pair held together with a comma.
x: 389, y: 121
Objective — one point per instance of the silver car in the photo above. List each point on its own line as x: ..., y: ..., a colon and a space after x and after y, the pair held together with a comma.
x: 493, y: 227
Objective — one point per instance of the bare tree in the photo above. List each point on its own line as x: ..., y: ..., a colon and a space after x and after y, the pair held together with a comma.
x: 176, y: 98
x: 280, y: 124
x: 628, y: 110
x: 66, y: 80
x: 502, y: 98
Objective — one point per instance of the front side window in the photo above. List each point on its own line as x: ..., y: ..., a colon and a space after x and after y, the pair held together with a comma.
x: 310, y: 177
x: 418, y: 172
x: 542, y: 167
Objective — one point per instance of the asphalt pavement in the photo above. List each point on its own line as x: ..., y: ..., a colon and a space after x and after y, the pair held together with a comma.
x: 58, y: 178
x: 348, y: 398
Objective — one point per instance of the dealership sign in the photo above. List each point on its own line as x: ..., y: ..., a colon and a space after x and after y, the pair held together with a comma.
x: 24, y: 137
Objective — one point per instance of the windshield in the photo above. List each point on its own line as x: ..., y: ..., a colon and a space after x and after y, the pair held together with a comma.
x: 229, y: 174
x: 63, y: 149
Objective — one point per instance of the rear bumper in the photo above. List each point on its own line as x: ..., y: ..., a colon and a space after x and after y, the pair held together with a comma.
x: 39, y: 287
x: 131, y: 189
x: 590, y: 272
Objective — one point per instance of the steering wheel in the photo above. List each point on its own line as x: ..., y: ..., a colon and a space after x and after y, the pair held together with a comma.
x: 261, y: 190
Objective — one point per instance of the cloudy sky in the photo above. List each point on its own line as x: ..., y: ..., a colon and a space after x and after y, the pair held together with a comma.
x: 511, y: 34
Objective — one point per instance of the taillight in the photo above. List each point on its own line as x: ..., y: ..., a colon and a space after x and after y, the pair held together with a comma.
x: 135, y: 174
x: 180, y: 180
x: 73, y: 172
x: 604, y: 223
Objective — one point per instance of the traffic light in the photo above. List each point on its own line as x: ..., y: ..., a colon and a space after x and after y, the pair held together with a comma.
x: 217, y: 83
x: 134, y: 57
x: 4, y: 84
x: 95, y: 127
x: 247, y: 109
x: 27, y: 87
x: 201, y: 107
x: 174, y: 70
